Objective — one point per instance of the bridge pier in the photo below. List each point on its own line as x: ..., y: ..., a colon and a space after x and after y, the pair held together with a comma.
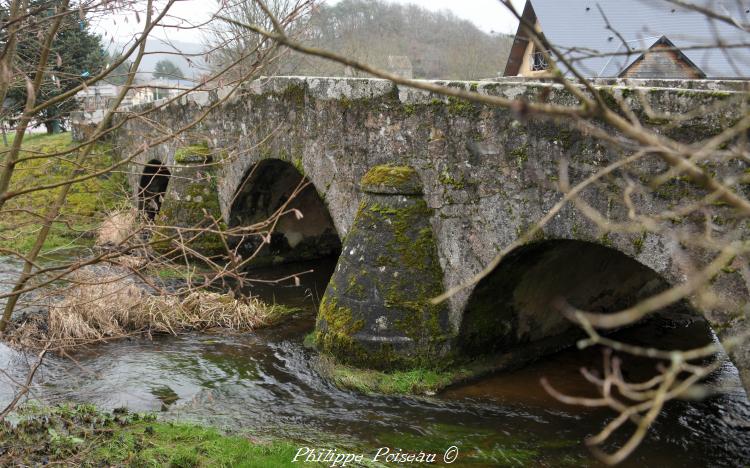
x: 376, y: 311
x: 188, y: 204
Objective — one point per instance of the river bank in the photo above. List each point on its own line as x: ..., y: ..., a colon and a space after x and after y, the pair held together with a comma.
x: 81, y: 435
x: 264, y: 385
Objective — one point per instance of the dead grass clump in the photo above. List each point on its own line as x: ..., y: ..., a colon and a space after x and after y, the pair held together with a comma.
x: 100, y: 307
x: 117, y: 228
x: 202, y: 310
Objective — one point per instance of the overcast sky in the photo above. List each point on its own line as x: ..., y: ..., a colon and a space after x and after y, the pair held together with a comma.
x: 488, y: 15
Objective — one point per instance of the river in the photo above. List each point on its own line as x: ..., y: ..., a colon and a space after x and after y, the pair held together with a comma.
x: 263, y: 383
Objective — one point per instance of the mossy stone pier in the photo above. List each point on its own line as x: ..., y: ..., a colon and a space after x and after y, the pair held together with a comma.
x: 376, y: 311
x: 191, y: 204
x: 426, y: 190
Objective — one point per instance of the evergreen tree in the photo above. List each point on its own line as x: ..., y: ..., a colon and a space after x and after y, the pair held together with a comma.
x: 167, y: 70
x: 76, y: 55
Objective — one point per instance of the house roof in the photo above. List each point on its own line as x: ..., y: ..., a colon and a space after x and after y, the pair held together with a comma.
x: 603, y: 37
x: 625, y: 58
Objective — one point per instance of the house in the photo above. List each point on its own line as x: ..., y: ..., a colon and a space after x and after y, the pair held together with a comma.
x: 634, y: 39
x: 158, y: 88
x: 98, y: 96
x: 400, y: 65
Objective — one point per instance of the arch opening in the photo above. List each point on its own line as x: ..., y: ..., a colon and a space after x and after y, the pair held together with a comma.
x: 513, y: 305
x: 152, y: 187
x: 265, y: 189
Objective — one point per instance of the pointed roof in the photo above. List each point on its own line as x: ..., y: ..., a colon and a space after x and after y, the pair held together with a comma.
x: 631, y: 52
x: 604, y: 37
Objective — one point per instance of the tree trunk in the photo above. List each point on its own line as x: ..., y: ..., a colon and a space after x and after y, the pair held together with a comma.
x: 52, y: 126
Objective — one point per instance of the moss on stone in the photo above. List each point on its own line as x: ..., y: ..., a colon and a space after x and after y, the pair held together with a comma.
x: 294, y: 93
x: 335, y: 327
x: 345, y: 102
x: 462, y: 107
x: 297, y: 162
x: 390, y: 176
x: 405, y: 271
x: 520, y: 154
x: 456, y: 183
x: 409, y: 109
x: 192, y: 205
x: 198, y: 153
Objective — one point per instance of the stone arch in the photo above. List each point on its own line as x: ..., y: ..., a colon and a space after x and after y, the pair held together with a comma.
x: 512, y: 306
x: 264, y: 189
x: 152, y: 187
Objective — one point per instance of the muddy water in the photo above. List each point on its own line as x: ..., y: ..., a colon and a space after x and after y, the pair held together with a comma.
x: 263, y: 383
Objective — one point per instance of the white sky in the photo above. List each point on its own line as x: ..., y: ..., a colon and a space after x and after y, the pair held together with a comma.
x: 489, y: 15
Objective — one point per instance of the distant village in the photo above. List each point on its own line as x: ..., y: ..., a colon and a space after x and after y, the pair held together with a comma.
x: 98, y: 97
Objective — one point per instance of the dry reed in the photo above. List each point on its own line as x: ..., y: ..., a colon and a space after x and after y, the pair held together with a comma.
x: 117, y: 228
x: 99, y: 307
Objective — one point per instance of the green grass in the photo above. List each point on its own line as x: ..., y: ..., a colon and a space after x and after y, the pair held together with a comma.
x: 86, y: 204
x: 411, y: 382
x: 172, y: 271
x: 81, y: 435
x: 185, y: 445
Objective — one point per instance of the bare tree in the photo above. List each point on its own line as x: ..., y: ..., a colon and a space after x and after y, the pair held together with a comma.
x: 227, y: 43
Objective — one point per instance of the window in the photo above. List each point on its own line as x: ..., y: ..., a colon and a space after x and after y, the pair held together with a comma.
x: 538, y: 61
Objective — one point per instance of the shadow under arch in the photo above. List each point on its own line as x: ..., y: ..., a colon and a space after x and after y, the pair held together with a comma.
x: 513, y: 305
x: 152, y: 187
x: 265, y: 188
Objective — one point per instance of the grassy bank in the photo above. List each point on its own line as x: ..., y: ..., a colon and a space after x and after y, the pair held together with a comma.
x: 400, y: 382
x: 83, y: 436
x: 86, y: 203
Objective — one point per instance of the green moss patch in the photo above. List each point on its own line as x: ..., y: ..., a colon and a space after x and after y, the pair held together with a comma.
x: 392, y: 179
x: 191, y: 205
x: 199, y: 153
x: 86, y: 205
x: 407, y: 382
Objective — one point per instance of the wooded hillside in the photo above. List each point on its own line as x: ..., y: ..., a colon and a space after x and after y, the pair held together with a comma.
x: 438, y: 44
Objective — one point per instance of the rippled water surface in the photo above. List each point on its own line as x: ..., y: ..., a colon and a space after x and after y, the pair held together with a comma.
x: 264, y: 383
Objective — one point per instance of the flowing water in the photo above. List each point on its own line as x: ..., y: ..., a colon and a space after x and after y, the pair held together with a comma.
x: 263, y: 383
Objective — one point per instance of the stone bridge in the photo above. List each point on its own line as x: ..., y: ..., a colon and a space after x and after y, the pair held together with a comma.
x: 418, y: 193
